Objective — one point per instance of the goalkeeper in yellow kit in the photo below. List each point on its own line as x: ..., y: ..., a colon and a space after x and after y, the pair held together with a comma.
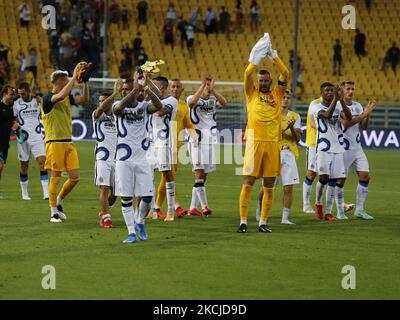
x: 263, y: 132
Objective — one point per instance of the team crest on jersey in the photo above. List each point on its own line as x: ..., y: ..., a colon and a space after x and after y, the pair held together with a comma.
x: 269, y: 99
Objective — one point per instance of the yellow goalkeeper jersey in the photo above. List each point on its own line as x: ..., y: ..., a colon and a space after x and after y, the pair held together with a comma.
x: 263, y: 110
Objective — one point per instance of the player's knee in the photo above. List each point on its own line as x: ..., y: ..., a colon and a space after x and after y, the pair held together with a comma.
x: 147, y: 199
x: 323, y: 180
x: 364, y: 177
x: 24, y: 166
x: 288, y: 189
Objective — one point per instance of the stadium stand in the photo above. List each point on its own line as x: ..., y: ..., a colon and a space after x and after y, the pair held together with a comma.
x: 227, y: 59
x: 317, y: 34
x: 18, y: 38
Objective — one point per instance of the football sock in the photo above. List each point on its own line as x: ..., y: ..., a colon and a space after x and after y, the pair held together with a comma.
x: 144, y: 207
x: 53, y: 187
x: 170, y: 188
x: 201, y: 192
x: 362, y: 191
x: 307, y: 187
x: 267, y: 200
x: 285, y: 214
x: 195, y: 199
x: 330, y: 195
x: 128, y: 213
x: 245, y: 196
x: 44, y: 180
x: 23, y: 181
x: 68, y: 186
x: 339, y: 194
x: 53, y: 211
x: 320, y: 191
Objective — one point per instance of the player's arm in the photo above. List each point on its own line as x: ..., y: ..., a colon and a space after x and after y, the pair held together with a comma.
x: 363, y: 118
x: 106, y: 106
x: 221, y: 101
x: 195, y: 98
x: 151, y: 84
x: 368, y: 110
x: 296, y: 132
x: 66, y: 90
x: 249, y: 79
x: 187, y: 123
x: 84, y: 99
x: 156, y: 104
x: 345, y: 114
x: 126, y: 101
x: 327, y: 114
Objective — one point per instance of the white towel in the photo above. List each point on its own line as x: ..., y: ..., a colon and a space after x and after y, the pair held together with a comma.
x: 260, y: 50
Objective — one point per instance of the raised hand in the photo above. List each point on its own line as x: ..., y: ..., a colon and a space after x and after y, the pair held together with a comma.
x: 203, y: 77
x: 370, y: 106
x: 117, y: 86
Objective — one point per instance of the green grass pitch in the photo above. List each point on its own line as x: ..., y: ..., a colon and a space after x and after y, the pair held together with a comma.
x: 194, y: 257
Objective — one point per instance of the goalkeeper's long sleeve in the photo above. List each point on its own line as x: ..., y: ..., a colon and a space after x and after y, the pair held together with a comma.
x: 284, y: 71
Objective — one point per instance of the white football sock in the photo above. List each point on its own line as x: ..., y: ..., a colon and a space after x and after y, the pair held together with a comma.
x: 170, y: 189
x: 330, y: 198
x: 319, y: 192
x: 201, y: 193
x: 24, y: 188
x: 142, y: 211
x: 307, y: 188
x: 339, y: 194
x: 45, y: 187
x: 129, y: 217
x: 243, y: 222
x: 195, y: 200
x: 362, y: 191
x: 53, y: 211
x: 285, y: 214
x: 59, y: 200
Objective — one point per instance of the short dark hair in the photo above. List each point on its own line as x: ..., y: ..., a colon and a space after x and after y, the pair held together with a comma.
x: 24, y: 86
x: 352, y: 82
x: 104, y: 94
x: 4, y: 89
x: 163, y: 80
x: 264, y: 72
x: 287, y: 91
x: 326, y: 84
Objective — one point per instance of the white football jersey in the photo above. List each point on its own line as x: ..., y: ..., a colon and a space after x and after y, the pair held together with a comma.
x: 131, y: 123
x: 28, y: 115
x: 161, y: 125
x: 352, y: 135
x: 204, y: 118
x: 106, y: 137
x: 329, y: 133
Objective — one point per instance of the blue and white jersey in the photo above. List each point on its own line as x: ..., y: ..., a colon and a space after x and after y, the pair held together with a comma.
x: 204, y: 118
x: 161, y: 125
x: 28, y: 116
x: 106, y: 136
x: 132, y: 128
x: 329, y: 132
x: 352, y: 135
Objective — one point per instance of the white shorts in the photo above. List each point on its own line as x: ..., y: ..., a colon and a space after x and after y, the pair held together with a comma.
x: 203, y: 156
x: 133, y: 179
x: 162, y: 158
x: 331, y: 164
x: 356, y: 160
x: 311, y: 159
x: 104, y: 173
x: 289, y: 172
x: 25, y: 149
